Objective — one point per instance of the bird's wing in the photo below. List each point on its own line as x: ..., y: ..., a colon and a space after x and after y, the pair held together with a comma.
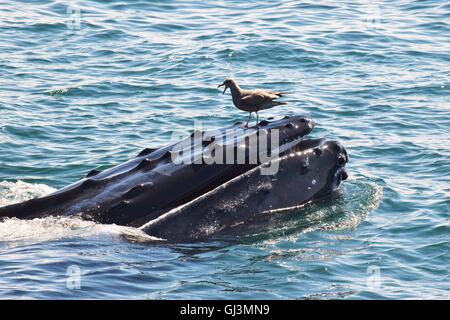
x: 253, y: 100
x: 275, y: 94
x: 258, y: 98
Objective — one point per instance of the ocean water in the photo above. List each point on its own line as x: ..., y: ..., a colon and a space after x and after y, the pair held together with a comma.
x: 88, y: 84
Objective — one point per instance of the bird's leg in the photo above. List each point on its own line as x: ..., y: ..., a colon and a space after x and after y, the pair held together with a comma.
x: 257, y: 118
x: 249, y: 117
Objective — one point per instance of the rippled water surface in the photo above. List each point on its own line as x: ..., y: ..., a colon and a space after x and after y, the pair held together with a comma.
x: 88, y: 84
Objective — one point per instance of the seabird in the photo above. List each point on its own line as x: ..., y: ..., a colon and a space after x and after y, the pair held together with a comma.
x: 252, y: 100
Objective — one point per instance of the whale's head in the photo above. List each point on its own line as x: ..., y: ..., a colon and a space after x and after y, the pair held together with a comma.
x: 323, y: 165
x: 308, y: 170
x: 289, y: 128
x: 279, y: 136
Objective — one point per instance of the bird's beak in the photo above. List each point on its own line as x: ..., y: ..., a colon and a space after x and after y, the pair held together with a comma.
x: 221, y: 85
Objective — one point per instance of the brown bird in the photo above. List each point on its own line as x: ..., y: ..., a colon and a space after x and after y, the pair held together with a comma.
x: 252, y: 100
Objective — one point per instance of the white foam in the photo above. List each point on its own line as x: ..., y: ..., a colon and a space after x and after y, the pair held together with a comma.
x: 19, y: 191
x: 52, y: 228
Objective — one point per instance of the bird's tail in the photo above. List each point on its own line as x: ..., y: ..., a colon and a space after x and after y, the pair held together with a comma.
x: 282, y: 94
x: 279, y: 103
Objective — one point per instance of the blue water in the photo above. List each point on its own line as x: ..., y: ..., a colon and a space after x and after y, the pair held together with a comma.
x: 91, y: 90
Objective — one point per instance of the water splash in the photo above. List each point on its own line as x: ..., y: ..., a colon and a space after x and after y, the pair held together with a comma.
x: 345, y: 211
x: 14, y: 230
x: 19, y: 191
x: 350, y: 208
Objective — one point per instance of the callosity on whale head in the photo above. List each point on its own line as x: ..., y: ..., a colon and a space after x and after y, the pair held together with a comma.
x: 148, y: 186
x: 309, y: 170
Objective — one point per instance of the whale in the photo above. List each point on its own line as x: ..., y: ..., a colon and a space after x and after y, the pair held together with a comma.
x: 311, y: 170
x: 204, y: 184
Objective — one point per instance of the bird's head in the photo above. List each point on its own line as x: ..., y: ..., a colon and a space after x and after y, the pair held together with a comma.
x: 227, y: 83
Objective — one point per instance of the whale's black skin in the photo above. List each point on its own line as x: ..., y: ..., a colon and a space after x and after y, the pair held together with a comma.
x: 311, y: 170
x: 144, y: 188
